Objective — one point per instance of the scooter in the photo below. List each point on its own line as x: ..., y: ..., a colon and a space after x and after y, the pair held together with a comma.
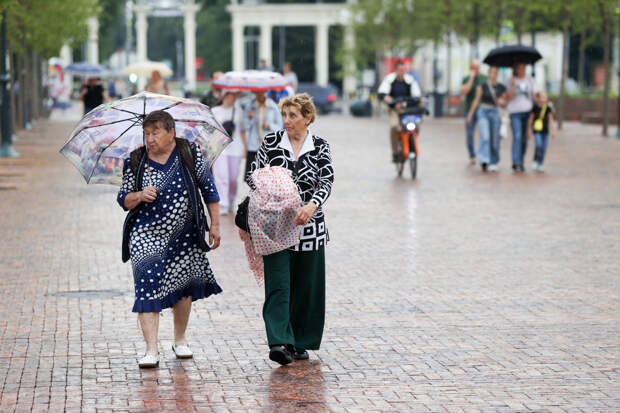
x: 410, y: 119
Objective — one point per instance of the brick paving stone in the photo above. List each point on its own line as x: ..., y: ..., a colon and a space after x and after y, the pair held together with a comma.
x: 457, y: 292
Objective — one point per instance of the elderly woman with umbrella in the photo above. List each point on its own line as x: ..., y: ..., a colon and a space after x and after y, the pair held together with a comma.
x: 520, y: 93
x: 162, y: 183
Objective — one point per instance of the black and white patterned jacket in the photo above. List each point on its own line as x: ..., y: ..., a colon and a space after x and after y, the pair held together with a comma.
x: 312, y: 172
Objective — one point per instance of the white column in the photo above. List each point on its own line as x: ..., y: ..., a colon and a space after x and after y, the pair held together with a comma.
x: 92, y: 50
x: 67, y: 59
x: 189, y: 25
x: 141, y: 28
x: 349, y: 82
x: 238, y: 52
x: 321, y: 54
x: 265, y: 43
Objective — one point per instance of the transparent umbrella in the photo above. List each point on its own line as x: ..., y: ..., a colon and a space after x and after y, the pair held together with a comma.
x: 106, y: 136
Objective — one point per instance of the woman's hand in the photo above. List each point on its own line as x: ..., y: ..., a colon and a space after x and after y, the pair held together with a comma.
x: 469, y: 119
x: 305, y: 213
x: 214, y: 236
x: 148, y: 194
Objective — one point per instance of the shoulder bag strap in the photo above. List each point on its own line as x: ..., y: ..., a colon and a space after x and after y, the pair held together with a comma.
x: 188, y: 155
x: 492, y: 90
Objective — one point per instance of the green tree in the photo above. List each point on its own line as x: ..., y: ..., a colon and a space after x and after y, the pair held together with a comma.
x: 37, y: 29
x: 214, y: 36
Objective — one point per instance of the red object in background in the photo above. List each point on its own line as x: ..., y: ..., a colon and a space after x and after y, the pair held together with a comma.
x: 199, y: 61
x: 331, y: 97
x: 599, y: 76
x: 387, y: 64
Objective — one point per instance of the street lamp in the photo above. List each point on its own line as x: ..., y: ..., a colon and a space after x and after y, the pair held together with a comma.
x: 6, y: 151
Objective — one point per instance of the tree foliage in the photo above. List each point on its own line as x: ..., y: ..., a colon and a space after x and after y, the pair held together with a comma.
x: 45, y: 25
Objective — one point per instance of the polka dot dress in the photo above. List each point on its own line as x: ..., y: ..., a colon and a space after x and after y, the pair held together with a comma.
x: 167, y: 261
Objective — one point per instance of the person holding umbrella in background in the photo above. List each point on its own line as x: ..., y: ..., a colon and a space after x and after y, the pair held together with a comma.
x: 520, y: 93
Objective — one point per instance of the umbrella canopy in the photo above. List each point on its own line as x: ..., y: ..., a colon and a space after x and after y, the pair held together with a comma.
x: 507, y: 56
x: 252, y: 80
x: 146, y: 68
x: 106, y: 136
x: 86, y: 69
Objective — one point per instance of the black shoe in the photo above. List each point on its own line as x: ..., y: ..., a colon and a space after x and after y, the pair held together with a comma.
x: 300, y: 355
x: 484, y: 166
x: 515, y: 167
x: 280, y: 354
x: 521, y: 168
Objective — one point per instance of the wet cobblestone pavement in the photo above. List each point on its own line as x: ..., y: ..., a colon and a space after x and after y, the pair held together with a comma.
x: 461, y: 291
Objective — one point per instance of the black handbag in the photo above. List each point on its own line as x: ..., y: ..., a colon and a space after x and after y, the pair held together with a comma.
x: 241, y: 218
x: 229, y: 125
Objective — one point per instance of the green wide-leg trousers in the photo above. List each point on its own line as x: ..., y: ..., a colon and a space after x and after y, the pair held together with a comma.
x: 294, y: 309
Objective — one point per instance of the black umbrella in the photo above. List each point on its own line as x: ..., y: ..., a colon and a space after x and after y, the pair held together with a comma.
x: 507, y: 56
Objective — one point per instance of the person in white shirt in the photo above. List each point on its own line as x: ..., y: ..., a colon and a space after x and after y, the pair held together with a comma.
x: 226, y: 167
x: 399, y: 84
x: 521, y: 90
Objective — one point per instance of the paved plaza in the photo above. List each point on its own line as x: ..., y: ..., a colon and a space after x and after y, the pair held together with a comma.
x: 457, y: 292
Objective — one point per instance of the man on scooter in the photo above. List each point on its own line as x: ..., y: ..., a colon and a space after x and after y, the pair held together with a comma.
x: 397, y: 85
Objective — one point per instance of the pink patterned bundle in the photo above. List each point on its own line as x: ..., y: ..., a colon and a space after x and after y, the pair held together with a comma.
x: 271, y: 216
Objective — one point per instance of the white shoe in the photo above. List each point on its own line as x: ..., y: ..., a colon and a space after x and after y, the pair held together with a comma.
x: 224, y: 211
x: 182, y: 352
x: 148, y: 361
x: 540, y: 168
x: 535, y: 165
x: 493, y: 168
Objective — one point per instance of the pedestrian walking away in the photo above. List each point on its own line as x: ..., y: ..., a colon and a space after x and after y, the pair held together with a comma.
x: 261, y: 116
x: 164, y: 232
x: 541, y: 121
x: 92, y: 94
x: 226, y: 167
x: 294, y: 307
x: 397, y: 85
x: 521, y: 89
x: 489, y: 97
x: 468, y: 89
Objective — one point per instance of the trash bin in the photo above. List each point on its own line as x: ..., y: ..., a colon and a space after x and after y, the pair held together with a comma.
x: 438, y: 99
x: 361, y: 108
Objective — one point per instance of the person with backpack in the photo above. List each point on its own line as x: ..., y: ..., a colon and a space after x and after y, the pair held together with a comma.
x: 164, y: 231
x: 294, y: 307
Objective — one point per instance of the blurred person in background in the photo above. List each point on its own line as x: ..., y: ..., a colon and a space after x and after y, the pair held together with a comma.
x: 157, y: 84
x: 468, y: 89
x: 261, y: 116
x: 226, y: 167
x: 521, y: 89
x: 92, y: 94
x: 541, y: 121
x: 490, y: 95
x: 290, y: 76
x: 396, y: 85
x: 213, y: 98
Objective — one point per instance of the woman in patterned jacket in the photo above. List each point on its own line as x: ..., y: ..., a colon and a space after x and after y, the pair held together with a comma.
x: 294, y: 308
